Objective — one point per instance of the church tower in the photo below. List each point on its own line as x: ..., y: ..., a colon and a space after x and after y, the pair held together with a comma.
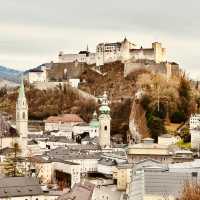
x: 104, y: 121
x: 22, y: 118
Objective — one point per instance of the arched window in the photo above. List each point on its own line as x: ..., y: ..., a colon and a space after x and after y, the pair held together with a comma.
x: 24, y: 115
x: 105, y: 128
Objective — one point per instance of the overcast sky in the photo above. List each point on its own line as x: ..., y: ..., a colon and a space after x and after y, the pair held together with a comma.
x: 34, y: 31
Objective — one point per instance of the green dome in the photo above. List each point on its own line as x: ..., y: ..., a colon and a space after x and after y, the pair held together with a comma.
x: 104, y: 109
x: 94, y: 123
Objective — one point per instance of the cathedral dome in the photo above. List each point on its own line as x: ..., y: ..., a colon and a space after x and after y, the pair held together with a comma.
x: 94, y: 123
x: 104, y: 109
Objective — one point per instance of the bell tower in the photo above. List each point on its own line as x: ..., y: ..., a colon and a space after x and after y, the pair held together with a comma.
x: 104, y: 122
x: 22, y: 117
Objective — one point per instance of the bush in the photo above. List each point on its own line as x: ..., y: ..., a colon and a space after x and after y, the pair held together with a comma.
x: 178, y: 117
x: 190, y: 192
x: 156, y: 126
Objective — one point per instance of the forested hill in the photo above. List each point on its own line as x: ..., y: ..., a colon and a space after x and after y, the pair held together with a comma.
x: 162, y: 101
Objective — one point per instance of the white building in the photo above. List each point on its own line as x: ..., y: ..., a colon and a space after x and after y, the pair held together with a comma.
x: 74, y: 82
x: 63, y: 122
x: 82, y: 56
x: 195, y: 121
x: 46, y: 168
x: 168, y: 139
x: 37, y: 75
x: 195, y: 138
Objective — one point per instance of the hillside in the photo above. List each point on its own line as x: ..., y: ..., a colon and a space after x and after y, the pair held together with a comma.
x: 8, y: 84
x: 9, y: 74
x: 178, y: 98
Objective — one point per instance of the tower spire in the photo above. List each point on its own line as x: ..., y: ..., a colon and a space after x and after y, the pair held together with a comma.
x: 21, y: 88
x: 22, y: 118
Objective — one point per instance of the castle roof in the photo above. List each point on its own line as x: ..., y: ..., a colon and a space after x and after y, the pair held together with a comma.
x: 66, y: 118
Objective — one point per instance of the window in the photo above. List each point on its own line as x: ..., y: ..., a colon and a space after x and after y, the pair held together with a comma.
x: 24, y: 115
x: 17, y: 115
x: 105, y: 128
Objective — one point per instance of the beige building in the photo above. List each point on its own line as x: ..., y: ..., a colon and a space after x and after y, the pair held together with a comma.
x: 122, y: 174
x: 168, y: 139
x: 148, y: 149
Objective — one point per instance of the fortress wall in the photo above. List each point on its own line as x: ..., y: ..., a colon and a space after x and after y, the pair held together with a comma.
x: 143, y: 54
x: 160, y: 68
x: 176, y: 72
x: 66, y: 71
x: 68, y: 58
x: 132, y: 66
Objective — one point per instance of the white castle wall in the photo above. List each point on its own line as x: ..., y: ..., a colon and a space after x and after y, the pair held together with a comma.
x: 69, y: 58
x: 111, y: 52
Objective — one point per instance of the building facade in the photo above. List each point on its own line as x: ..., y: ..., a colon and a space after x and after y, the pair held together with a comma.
x: 195, y: 121
x: 117, y: 51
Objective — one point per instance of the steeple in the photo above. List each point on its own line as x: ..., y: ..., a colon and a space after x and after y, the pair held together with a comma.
x: 22, y: 117
x: 21, y: 88
x: 94, y: 123
x: 104, y: 121
x: 21, y: 100
x: 104, y: 108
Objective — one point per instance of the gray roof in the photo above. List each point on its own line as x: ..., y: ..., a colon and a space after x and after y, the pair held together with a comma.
x: 107, y: 162
x: 46, y: 159
x: 166, y: 183
x: 80, y: 191
x: 19, y: 187
x: 5, y: 151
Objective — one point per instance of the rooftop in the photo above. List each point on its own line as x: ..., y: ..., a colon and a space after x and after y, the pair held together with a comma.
x: 19, y: 187
x: 66, y: 118
x: 80, y: 191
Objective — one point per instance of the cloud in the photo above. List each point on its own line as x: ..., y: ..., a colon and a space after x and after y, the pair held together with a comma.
x: 33, y: 32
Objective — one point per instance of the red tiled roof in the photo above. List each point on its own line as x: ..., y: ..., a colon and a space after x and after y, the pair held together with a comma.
x: 66, y: 118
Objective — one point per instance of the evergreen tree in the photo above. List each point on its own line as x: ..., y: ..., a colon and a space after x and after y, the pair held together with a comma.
x: 185, y: 97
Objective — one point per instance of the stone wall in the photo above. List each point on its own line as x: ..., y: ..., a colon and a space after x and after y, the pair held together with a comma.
x: 165, y: 68
x: 60, y: 71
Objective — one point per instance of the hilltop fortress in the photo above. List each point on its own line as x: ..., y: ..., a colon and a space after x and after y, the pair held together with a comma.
x: 118, y: 51
x: 153, y: 59
x: 71, y: 66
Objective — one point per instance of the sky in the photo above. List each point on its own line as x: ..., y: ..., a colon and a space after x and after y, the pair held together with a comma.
x: 33, y: 32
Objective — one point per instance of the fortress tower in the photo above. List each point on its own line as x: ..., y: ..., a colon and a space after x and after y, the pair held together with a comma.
x: 104, y: 121
x: 22, y: 118
x: 125, y: 47
x: 159, y: 52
